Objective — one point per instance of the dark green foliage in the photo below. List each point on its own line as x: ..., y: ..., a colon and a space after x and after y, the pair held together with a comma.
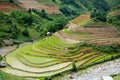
x: 67, y: 11
x: 98, y: 15
x: 56, y: 22
x: 114, y: 19
x: 108, y: 49
x: 29, y: 11
x: 54, y: 1
x: 23, y: 17
x: 25, y: 26
x: 103, y: 49
x: 43, y: 13
x: 101, y: 5
x: 11, y: 1
x: 102, y: 61
x: 112, y: 3
x: 75, y: 7
x: 1, y: 57
x: 74, y: 69
x: 25, y: 32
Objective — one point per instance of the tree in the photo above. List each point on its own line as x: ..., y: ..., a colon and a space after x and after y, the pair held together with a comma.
x: 1, y: 57
x: 74, y: 69
x: 11, y: 1
x: 43, y: 13
x: 99, y: 15
x: 54, y: 1
x: 26, y: 33
x: 29, y: 11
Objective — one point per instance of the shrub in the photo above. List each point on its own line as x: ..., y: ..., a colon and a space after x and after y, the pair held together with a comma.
x: 99, y: 15
x: 1, y: 57
x: 11, y: 1
x: 74, y: 69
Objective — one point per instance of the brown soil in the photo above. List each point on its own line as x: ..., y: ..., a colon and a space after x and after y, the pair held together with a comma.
x: 5, y: 6
x: 7, y: 49
x: 50, y: 9
x: 100, y: 36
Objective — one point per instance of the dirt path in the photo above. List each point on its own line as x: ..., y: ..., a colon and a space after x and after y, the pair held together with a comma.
x: 50, y: 9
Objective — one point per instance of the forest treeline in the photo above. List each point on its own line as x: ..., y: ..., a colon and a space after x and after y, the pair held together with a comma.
x: 26, y: 26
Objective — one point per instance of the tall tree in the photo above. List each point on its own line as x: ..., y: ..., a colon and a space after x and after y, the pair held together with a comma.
x: 11, y: 1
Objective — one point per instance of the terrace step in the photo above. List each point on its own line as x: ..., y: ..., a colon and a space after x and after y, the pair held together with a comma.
x: 12, y: 61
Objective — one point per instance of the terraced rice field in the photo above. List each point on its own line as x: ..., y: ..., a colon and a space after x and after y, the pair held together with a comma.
x: 50, y: 56
x: 100, y: 35
x: 50, y: 9
x: 82, y: 19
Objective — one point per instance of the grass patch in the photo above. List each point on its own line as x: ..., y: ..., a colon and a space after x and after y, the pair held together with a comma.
x: 5, y: 76
x: 45, y: 2
x: 75, y: 33
x: 92, y: 24
x: 116, y: 77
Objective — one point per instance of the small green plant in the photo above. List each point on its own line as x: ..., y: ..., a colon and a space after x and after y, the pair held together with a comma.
x: 42, y: 79
x: 74, y: 69
x: 11, y: 1
x: 1, y: 57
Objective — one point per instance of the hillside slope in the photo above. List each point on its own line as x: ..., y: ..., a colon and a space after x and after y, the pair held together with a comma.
x: 26, y: 26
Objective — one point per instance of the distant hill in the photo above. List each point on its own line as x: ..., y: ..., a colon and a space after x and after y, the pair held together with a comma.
x: 74, y: 8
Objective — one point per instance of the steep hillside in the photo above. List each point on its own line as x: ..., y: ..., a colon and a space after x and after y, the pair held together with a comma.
x: 82, y: 43
x: 75, y: 7
x: 69, y: 8
x: 26, y: 26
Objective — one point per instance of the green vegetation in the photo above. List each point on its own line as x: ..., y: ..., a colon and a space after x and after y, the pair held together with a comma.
x: 112, y: 3
x: 75, y: 8
x: 99, y: 15
x: 111, y: 17
x: 1, y: 57
x: 51, y: 56
x: 50, y: 2
x: 98, y: 24
x: 4, y: 0
x: 72, y: 8
x: 26, y: 26
x: 4, y: 76
x: 116, y: 77
x: 74, y: 68
x: 74, y: 33
x: 11, y: 1
x: 114, y: 16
